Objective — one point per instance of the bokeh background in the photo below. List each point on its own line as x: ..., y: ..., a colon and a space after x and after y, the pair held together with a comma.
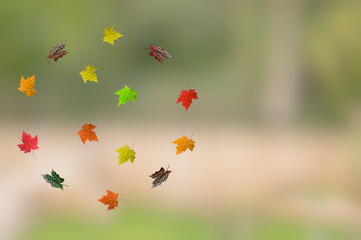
x: 276, y: 125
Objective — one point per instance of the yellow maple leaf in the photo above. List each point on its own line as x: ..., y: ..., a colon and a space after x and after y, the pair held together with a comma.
x: 110, y: 35
x: 26, y: 85
x: 125, y: 154
x: 89, y: 74
x: 183, y: 144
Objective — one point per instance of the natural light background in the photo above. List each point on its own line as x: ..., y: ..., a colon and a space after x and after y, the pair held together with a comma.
x: 276, y: 125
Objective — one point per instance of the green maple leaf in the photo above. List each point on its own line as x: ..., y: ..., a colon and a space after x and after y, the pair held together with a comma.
x: 126, y: 154
x: 125, y: 95
x: 54, y: 179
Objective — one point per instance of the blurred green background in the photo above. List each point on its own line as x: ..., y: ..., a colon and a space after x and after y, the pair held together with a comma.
x: 236, y: 50
x: 268, y: 74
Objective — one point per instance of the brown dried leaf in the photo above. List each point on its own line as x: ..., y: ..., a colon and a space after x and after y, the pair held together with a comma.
x: 160, y: 176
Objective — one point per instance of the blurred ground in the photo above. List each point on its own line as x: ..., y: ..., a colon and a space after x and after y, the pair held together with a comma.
x: 233, y: 174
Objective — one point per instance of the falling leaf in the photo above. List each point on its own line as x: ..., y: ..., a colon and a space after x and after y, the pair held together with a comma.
x: 160, y: 176
x: 89, y: 74
x: 54, y: 179
x: 110, y: 199
x: 125, y: 95
x: 158, y: 53
x: 87, y: 133
x: 186, y: 97
x: 183, y: 144
x: 26, y: 85
x: 57, y: 52
x: 125, y: 154
x: 110, y: 35
x: 29, y: 143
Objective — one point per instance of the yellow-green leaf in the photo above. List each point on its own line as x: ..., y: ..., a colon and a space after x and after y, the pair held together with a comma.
x: 89, y: 74
x: 126, y: 154
x: 125, y: 95
x: 110, y: 35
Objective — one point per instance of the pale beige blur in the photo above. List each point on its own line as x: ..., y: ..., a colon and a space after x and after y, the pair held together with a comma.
x: 299, y: 174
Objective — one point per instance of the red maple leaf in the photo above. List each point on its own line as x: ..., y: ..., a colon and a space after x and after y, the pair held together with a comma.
x: 186, y: 97
x: 29, y: 143
x: 158, y: 53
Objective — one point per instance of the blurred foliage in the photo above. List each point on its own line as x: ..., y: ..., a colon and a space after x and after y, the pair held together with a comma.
x: 134, y: 223
x: 332, y: 57
x: 274, y: 229
x: 144, y: 223
x: 220, y: 47
x: 197, y: 36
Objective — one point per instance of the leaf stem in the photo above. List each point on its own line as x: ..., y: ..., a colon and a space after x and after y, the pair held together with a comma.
x: 33, y: 153
x: 191, y: 135
x: 132, y: 146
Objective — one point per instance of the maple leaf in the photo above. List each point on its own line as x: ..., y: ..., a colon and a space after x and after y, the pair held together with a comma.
x: 125, y: 154
x: 57, y: 52
x: 29, y: 143
x: 26, y: 85
x: 183, y: 144
x: 160, y: 176
x: 125, y: 95
x: 186, y: 98
x: 158, y: 53
x: 54, y: 179
x: 110, y: 199
x: 87, y: 133
x: 110, y: 35
x: 89, y: 74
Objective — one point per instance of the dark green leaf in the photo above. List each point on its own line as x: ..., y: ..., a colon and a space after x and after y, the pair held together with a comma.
x: 56, y: 176
x: 54, y: 179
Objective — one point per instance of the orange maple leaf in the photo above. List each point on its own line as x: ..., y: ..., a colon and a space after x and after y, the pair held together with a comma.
x: 87, y: 133
x: 110, y: 199
x: 26, y: 85
x: 183, y: 144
